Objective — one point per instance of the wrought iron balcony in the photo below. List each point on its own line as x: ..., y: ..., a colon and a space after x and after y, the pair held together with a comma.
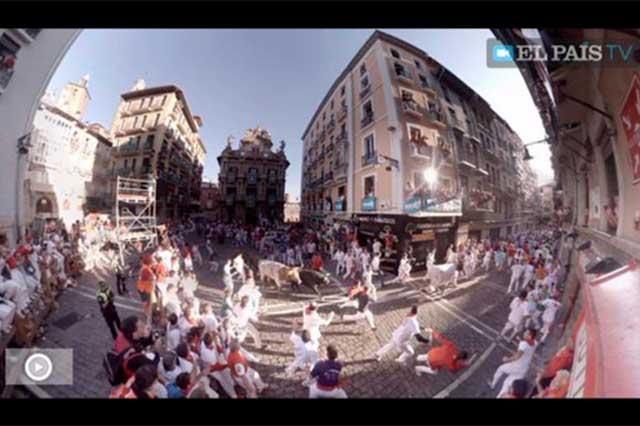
x: 365, y: 91
x: 366, y: 120
x: 436, y: 117
x: 342, y: 114
x: 369, y: 158
x: 412, y: 108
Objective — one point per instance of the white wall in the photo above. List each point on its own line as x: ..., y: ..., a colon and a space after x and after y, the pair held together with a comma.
x: 35, y: 65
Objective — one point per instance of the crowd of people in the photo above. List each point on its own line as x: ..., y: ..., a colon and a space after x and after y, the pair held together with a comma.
x: 183, y: 346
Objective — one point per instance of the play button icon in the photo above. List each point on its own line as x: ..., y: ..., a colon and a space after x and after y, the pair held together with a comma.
x: 38, y: 367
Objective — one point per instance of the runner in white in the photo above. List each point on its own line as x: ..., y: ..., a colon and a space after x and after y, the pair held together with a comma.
x: 312, y: 321
x: 516, y: 367
x: 305, y: 351
x: 401, y: 337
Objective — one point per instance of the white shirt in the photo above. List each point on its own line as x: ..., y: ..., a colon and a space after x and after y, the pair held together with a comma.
x: 551, y: 306
x: 210, y: 322
x: 407, y: 330
x: 377, y: 245
x: 173, y: 337
x: 521, y: 365
x: 312, y: 322
x: 304, y: 352
x: 243, y: 315
x: 210, y: 356
x: 375, y: 264
x: 516, y: 270
x: 169, y: 376
x: 518, y: 310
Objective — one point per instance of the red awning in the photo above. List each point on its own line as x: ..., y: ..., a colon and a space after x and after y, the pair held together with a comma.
x: 607, y: 347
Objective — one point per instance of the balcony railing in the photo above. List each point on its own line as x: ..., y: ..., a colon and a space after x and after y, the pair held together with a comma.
x: 328, y: 177
x: 365, y: 91
x: 412, y: 108
x: 342, y: 114
x: 366, y: 120
x: 436, y: 117
x: 369, y: 158
x: 420, y: 149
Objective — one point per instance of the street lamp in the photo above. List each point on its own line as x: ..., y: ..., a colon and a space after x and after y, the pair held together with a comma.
x: 430, y: 176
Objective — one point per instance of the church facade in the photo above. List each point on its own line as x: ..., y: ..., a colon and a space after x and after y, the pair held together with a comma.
x: 252, y: 179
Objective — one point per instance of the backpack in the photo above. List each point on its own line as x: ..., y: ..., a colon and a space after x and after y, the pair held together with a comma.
x: 114, y: 365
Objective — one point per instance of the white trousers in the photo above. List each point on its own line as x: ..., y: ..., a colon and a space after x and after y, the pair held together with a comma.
x: 405, y: 347
x: 367, y: 314
x: 251, y: 382
x: 7, y: 314
x: 512, y: 372
x: 304, y: 362
x: 226, y: 381
x: 314, y: 393
x: 514, y: 328
x: 514, y: 284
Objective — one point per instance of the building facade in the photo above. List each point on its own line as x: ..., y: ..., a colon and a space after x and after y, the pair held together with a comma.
x: 155, y: 134
x: 591, y: 116
x: 210, y: 200
x: 547, y: 202
x: 252, y: 179
x: 291, y: 209
x: 28, y: 59
x: 401, y: 146
x: 68, y: 168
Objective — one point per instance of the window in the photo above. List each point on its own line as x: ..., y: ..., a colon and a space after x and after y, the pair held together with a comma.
x: 418, y: 64
x: 342, y: 91
x: 133, y: 164
x: 164, y: 99
x: 446, y: 94
x: 157, y: 120
x: 363, y: 69
x: 418, y: 180
x: 369, y: 146
x: 423, y: 80
x: 415, y: 134
x: 126, y: 163
x: 364, y: 83
x: 135, y: 123
x: 144, y: 120
x: 395, y: 54
x: 324, y: 116
x: 331, y: 105
x: 370, y: 186
x: 400, y: 70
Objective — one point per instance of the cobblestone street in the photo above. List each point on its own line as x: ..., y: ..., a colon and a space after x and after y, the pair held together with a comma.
x: 471, y: 315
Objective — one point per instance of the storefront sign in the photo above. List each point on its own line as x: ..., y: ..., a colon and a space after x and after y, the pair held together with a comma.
x: 413, y: 205
x: 433, y: 204
x: 377, y: 219
x: 369, y: 204
x: 630, y: 117
x: 425, y: 236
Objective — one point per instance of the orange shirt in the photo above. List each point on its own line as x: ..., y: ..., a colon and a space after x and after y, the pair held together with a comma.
x: 560, y: 361
x: 541, y: 273
x: 317, y: 263
x: 160, y: 271
x: 444, y: 356
x: 237, y: 364
x: 145, y: 282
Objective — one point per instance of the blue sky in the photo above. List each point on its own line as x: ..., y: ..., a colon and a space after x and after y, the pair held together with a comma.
x: 236, y: 79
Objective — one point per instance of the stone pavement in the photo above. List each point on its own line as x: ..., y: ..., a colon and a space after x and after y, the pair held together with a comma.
x: 470, y: 315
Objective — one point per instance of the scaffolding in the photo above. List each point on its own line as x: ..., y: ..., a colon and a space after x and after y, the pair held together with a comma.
x: 135, y: 213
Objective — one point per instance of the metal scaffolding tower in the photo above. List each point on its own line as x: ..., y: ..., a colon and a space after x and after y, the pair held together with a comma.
x: 135, y: 212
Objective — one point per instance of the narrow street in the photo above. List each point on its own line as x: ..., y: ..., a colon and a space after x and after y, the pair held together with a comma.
x: 471, y: 315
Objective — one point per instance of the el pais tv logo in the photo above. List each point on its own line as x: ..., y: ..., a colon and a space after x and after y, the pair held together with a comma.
x: 583, y: 52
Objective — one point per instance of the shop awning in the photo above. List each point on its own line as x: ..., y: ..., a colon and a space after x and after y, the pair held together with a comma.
x: 607, y: 345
